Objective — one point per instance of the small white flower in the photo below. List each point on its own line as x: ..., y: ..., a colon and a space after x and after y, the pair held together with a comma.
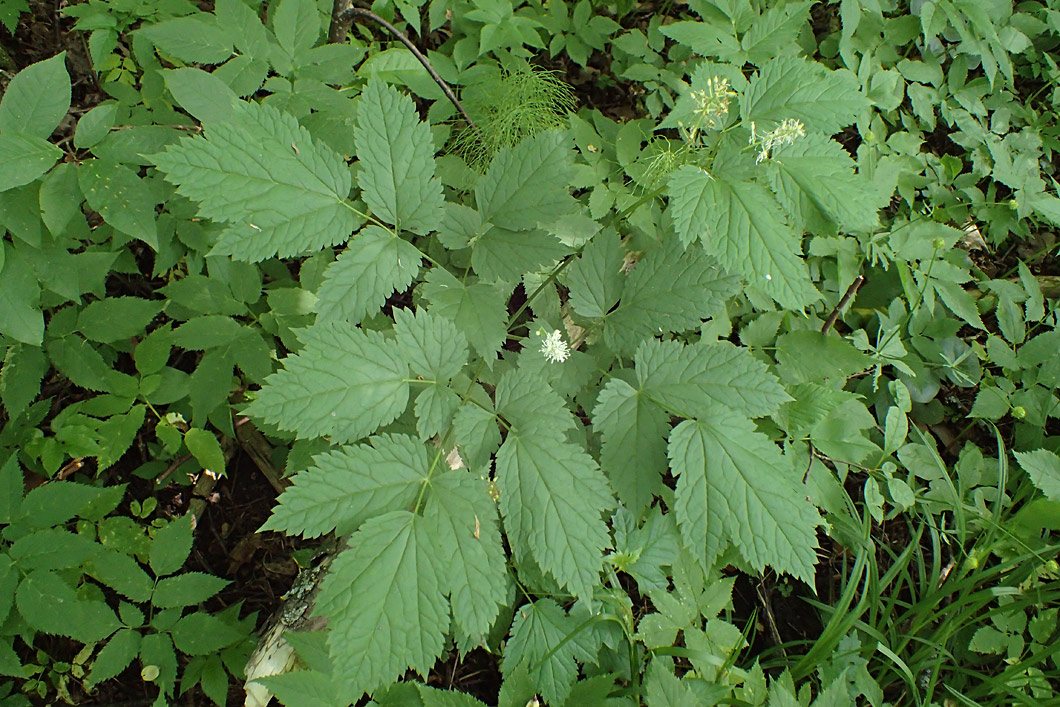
x: 555, y: 348
x: 786, y: 133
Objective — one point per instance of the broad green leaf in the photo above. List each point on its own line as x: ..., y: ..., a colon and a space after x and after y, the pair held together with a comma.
x: 296, y: 25
x: 503, y: 254
x: 49, y: 604
x: 207, y: 332
x: 21, y: 374
x: 815, y: 181
x: 707, y: 378
x: 1043, y: 468
x: 209, y: 384
x: 344, y: 384
x: 469, y: 549
x: 541, y: 643
x: 171, y: 546
x: 527, y: 184
x: 633, y: 454
x: 742, y: 225
x: 20, y: 314
x: 59, y: 501
x: 595, y: 279
x: 672, y: 290
x: 530, y: 406
x: 396, y: 154
x: 201, y: 633
x: 434, y: 408
x: 51, y: 549
x: 195, y: 39
x: 476, y: 433
x: 60, y: 198
x: 11, y: 485
x: 121, y: 198
x: 478, y: 309
x: 25, y: 158
x: 795, y: 87
x: 552, y: 496
x: 346, y: 487
x: 249, y: 34
x: 94, y: 125
x: 810, y: 356
x: 735, y: 487
x: 705, y: 39
x: 280, y: 192
x: 121, y: 573
x: 37, y: 98
x: 116, y: 656
x: 384, y: 602
x: 775, y: 31
x: 156, y: 651
x: 374, y: 265
x: 206, y: 97
x: 204, y: 446
x: 432, y: 344
x: 116, y: 318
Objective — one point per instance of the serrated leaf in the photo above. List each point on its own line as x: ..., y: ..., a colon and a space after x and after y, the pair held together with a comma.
x: 248, y: 33
x: 194, y: 39
x: 205, y: 96
x: 37, y: 98
x: 552, y: 496
x: 476, y: 433
x: 347, y: 486
x: 540, y: 643
x: 705, y: 39
x: 156, y: 650
x: 707, y: 378
x: 25, y: 158
x: 59, y: 501
x: 795, y: 87
x: 374, y: 265
x: 774, y: 31
x: 51, y: 549
x: 396, y: 154
x: 501, y: 254
x: 741, y: 224
x: 296, y: 25
x: 527, y: 184
x: 21, y: 374
x: 115, y: 318
x: 171, y: 546
x: 121, y: 198
x: 384, y: 602
x: 20, y: 314
x: 734, y: 486
x: 478, y: 309
x: 11, y: 490
x: 121, y: 573
x: 1043, y: 468
x: 344, y: 384
x: 434, y: 410
x: 49, y: 605
x: 432, y: 344
x: 633, y: 454
x: 60, y: 199
x: 201, y: 633
x: 471, y: 556
x: 595, y: 279
x: 810, y: 356
x: 116, y: 656
x: 815, y: 181
x: 280, y: 192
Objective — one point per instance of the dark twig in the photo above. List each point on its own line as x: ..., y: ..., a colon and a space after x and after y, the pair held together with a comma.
x: 847, y: 296
x: 342, y: 23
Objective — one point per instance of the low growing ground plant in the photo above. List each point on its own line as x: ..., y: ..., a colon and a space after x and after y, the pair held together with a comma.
x: 738, y: 390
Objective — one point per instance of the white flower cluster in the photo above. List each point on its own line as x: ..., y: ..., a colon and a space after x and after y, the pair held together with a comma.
x: 555, y: 348
x: 786, y: 133
x: 712, y: 103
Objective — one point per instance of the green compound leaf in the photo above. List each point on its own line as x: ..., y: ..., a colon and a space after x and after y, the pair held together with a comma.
x: 478, y: 309
x: 527, y: 184
x: 374, y: 265
x: 20, y: 314
x: 595, y: 278
x: 741, y: 224
x: 396, y: 154
x: 552, y: 498
x: 345, y: 487
x: 204, y: 446
x: 116, y: 656
x: 121, y: 573
x: 280, y: 192
x: 434, y: 408
x: 191, y: 39
x: 186, y: 589
x: 504, y: 254
x: 25, y: 158
x: 633, y: 454
x: 37, y: 99
x: 384, y: 602
x: 1043, y: 468
x: 432, y: 344
x: 707, y: 378
x: 121, y: 198
x: 344, y: 384
x: 117, y: 318
x: 671, y: 290
x: 735, y: 487
x: 795, y: 87
x: 541, y: 643
x: 470, y: 553
x: 814, y: 180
